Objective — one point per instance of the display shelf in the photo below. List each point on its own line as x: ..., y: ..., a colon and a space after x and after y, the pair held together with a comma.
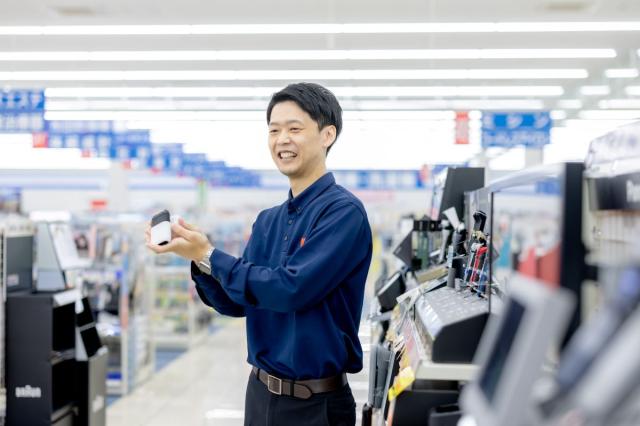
x: 424, y: 367
x: 31, y: 368
x: 179, y: 319
x: 118, y: 289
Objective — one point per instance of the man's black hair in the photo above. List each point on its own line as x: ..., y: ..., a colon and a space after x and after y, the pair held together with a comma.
x: 317, y: 101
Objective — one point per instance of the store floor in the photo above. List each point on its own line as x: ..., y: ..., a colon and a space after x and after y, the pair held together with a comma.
x: 206, y: 385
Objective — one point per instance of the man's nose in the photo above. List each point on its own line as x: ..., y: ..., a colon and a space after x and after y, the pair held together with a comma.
x: 283, y: 138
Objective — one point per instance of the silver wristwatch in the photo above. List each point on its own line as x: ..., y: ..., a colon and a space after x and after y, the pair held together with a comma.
x: 204, y: 264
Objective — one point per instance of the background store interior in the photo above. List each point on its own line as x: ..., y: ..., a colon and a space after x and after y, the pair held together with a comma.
x: 113, y: 111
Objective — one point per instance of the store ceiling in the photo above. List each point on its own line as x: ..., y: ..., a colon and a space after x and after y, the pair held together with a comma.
x: 434, y: 62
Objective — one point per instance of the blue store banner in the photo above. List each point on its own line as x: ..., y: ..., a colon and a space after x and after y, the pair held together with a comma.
x: 22, y: 111
x: 95, y: 137
x: 166, y: 157
x: 131, y: 145
x: 510, y: 129
x: 194, y: 165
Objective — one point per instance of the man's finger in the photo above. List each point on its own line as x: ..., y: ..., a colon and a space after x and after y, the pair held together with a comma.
x: 167, y: 248
x: 181, y: 231
x: 189, y: 226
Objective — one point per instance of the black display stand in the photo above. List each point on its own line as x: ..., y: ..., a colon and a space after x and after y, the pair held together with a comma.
x: 91, y: 377
x: 92, y: 389
x: 41, y: 364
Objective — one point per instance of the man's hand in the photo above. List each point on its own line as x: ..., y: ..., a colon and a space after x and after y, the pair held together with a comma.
x: 187, y: 241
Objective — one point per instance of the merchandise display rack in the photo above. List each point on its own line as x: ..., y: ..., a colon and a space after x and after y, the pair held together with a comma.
x: 179, y: 319
x: 118, y: 287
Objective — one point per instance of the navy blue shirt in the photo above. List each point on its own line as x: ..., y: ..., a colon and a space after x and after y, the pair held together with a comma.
x: 300, y: 283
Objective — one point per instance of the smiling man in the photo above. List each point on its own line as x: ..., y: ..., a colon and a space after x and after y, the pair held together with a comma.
x: 300, y: 282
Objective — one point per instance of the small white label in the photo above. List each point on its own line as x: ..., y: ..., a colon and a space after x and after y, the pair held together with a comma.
x: 633, y: 192
x: 28, y: 392
x: 13, y: 280
x: 97, y: 404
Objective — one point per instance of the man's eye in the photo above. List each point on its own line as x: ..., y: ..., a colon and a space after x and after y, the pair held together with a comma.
x: 273, y: 131
x: 295, y: 129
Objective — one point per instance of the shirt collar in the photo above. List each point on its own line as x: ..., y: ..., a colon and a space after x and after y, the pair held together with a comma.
x: 305, y: 197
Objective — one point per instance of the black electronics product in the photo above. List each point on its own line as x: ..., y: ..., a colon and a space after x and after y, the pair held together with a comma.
x: 378, y: 370
x: 445, y: 415
x: 451, y: 186
x: 161, y: 228
x: 536, y: 228
x: 404, y: 250
x: 479, y: 220
x: 451, y: 323
x: 92, y: 358
x: 18, y: 262
x: 394, y: 287
x: 413, y: 406
x: 514, y: 350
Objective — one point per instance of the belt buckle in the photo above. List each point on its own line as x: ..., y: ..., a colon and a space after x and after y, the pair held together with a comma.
x: 271, y: 382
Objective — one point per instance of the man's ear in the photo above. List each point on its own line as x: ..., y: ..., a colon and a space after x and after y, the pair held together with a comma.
x: 328, y: 136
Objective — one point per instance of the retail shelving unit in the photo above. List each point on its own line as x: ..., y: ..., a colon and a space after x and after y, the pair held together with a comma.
x: 117, y: 287
x: 180, y: 320
x: 41, y: 358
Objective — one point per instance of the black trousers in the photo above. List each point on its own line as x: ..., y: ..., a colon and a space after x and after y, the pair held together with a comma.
x: 263, y: 408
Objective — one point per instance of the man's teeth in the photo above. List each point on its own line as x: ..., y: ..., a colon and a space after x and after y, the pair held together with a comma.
x: 287, y: 155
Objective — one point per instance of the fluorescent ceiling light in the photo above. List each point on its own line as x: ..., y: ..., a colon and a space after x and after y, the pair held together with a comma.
x: 570, y: 104
x: 253, y: 104
x: 558, y: 115
x: 633, y: 90
x: 621, y: 73
x: 369, y: 28
x: 619, y: 103
x: 595, y: 90
x: 340, y: 91
x: 234, y: 115
x: 306, y: 55
x: 358, y: 74
x: 620, y: 114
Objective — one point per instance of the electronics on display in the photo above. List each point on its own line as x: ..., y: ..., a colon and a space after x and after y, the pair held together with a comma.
x: 450, y: 187
x: 161, y: 228
x: 513, y: 350
x: 536, y: 229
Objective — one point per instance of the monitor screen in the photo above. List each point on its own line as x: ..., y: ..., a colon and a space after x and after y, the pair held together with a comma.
x: 492, y: 372
x: 526, y: 232
x: 404, y: 251
x: 19, y: 262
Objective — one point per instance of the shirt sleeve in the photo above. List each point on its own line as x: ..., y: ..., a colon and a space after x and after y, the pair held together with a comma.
x: 212, y: 294
x: 339, y: 242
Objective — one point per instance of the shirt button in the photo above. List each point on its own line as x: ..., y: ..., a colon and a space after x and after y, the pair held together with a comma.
x: 286, y: 238
x: 299, y: 209
x: 290, y: 221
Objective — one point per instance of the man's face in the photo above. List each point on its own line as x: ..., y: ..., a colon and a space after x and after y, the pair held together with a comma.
x: 296, y: 143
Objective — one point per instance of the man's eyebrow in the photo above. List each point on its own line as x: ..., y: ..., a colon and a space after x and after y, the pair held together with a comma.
x: 275, y: 123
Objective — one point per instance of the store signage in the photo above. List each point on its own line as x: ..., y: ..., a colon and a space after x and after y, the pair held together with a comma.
x: 380, y: 179
x: 93, y: 137
x: 194, y: 165
x: 462, y: 128
x: 22, y: 111
x: 510, y: 129
x: 166, y: 157
x: 28, y: 392
x: 131, y: 145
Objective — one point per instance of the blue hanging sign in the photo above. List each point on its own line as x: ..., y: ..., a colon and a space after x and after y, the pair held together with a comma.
x: 510, y: 129
x: 22, y: 111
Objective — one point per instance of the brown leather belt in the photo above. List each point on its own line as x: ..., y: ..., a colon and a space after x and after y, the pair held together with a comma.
x: 302, y: 389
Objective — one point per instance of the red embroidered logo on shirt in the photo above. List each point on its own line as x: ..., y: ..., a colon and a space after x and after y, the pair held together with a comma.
x: 301, y: 241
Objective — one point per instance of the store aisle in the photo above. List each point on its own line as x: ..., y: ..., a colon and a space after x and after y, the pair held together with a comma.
x: 206, y: 385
